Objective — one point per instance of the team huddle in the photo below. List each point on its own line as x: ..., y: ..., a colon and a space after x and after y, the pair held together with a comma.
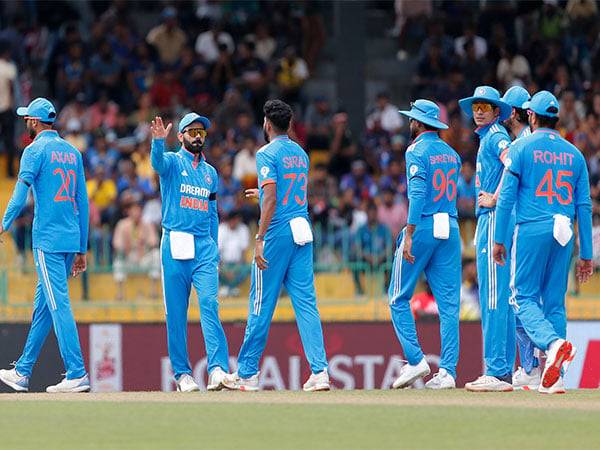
x: 529, y: 191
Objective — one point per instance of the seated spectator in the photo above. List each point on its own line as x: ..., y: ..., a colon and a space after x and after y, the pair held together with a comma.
x: 264, y: 42
x: 103, y: 192
x: 145, y: 112
x: 135, y: 245
x: 244, y: 128
x: 141, y: 71
x: 318, y: 124
x: 571, y: 113
x: 194, y: 75
x: 386, y: 114
x: 74, y: 135
x: 230, y: 109
x: 75, y: 109
x: 234, y: 240
x: 129, y: 180
x: 71, y: 73
x: 251, y: 76
x: 431, y: 70
x: 230, y: 191
x: 395, y: 179
x: 105, y: 72
x: 342, y: 147
x: 470, y: 308
x: 101, y: 154
x: 244, y: 164
x: 322, y: 190
x: 152, y: 213
x: 360, y: 182
x: 372, y: 248
x: 346, y: 218
x: 513, y: 68
x: 290, y: 74
x: 142, y: 162
x: 475, y: 70
x: 102, y: 114
x: 469, y: 34
x: 223, y: 72
x: 168, y: 38
x: 213, y: 42
x: 391, y: 213
x: 466, y: 197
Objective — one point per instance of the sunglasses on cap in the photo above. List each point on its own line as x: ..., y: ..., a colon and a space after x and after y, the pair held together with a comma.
x: 195, y: 132
x: 482, y: 107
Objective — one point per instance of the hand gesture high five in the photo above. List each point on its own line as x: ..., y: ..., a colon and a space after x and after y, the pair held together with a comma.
x: 158, y: 128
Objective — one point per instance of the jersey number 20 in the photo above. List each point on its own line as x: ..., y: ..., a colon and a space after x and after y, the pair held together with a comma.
x: 64, y: 193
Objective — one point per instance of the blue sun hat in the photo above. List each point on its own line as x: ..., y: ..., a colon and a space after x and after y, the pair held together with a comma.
x: 192, y: 117
x: 427, y: 112
x: 516, y: 96
x: 543, y: 103
x: 489, y: 95
x: 39, y: 108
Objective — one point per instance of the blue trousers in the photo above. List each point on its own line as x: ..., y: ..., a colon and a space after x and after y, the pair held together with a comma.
x: 526, y: 348
x: 539, y: 277
x: 497, y: 318
x: 291, y: 265
x: 178, y: 277
x: 441, y: 262
x: 52, y: 308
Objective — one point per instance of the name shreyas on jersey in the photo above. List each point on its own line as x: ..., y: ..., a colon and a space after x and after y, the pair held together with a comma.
x: 195, y: 203
x: 444, y: 158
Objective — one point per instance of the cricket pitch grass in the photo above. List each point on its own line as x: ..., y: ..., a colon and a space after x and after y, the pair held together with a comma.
x: 411, y: 419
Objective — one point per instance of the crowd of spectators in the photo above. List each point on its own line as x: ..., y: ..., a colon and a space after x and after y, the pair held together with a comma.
x: 110, y: 74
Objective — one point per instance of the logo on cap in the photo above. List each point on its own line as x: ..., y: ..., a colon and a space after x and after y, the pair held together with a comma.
x: 481, y: 91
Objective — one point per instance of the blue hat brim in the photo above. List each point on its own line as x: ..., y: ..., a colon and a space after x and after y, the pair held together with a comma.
x: 22, y: 111
x: 465, y: 105
x: 430, y: 121
x: 203, y: 120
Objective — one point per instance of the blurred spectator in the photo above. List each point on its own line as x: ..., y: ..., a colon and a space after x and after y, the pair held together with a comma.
x: 251, y: 76
x: 513, y: 68
x: 234, y: 240
x: 141, y: 70
x: 130, y: 182
x: 167, y: 38
x: 223, y: 73
x: 264, y: 42
x: 102, y: 113
x: 432, y: 69
x: 470, y: 308
x: 318, y: 124
x: 8, y: 78
x: 386, y: 114
x: 469, y: 35
x: 74, y: 135
x: 322, y: 190
x: 72, y: 73
x: 596, y: 240
x: 291, y: 74
x: 105, y: 70
x: 135, y: 245
x: 76, y: 109
x: 570, y: 113
x: 474, y: 69
x: 228, y: 112
x: 230, y: 190
x: 587, y: 137
x: 372, y: 248
x: 346, y: 218
x: 244, y: 128
x: 466, y: 197
x: 213, y: 43
x: 342, y: 148
x: 167, y: 92
x: 101, y: 154
x: 360, y: 182
x: 391, y: 213
x: 395, y: 179
x: 244, y: 164
x: 102, y: 191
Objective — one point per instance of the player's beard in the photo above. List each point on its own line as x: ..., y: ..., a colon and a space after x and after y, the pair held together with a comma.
x: 31, y: 132
x: 194, y: 147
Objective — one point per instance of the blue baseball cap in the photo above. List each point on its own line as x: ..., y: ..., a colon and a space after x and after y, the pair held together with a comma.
x: 39, y: 108
x: 516, y: 96
x: 192, y: 117
x: 486, y: 94
x: 543, y: 103
x: 427, y: 112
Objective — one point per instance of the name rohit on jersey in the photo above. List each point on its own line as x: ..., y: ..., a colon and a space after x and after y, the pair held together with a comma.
x: 63, y: 158
x: 548, y: 157
x: 198, y: 204
x: 445, y: 158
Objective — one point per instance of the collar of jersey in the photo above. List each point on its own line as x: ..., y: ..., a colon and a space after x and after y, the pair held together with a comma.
x: 426, y: 135
x: 523, y: 131
x: 280, y: 137
x: 547, y: 130
x: 189, y: 155
x: 44, y: 131
x: 482, y: 131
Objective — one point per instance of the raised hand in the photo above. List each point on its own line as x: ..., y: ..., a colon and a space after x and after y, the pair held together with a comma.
x: 158, y: 128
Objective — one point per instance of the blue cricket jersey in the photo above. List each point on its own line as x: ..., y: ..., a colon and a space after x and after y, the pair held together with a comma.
x: 546, y: 175
x: 284, y: 163
x: 188, y: 187
x: 432, y: 168
x: 493, y: 148
x: 53, y: 169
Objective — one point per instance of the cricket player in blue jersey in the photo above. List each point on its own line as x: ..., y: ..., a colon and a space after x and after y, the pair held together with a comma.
x: 529, y: 373
x: 497, y: 320
x: 547, y: 178
x: 432, y: 168
x: 189, y: 254
x: 283, y: 254
x: 53, y: 169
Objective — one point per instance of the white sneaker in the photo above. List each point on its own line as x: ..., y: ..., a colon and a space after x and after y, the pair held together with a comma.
x: 559, y: 353
x: 317, y: 382
x: 556, y: 388
x: 75, y: 385
x: 186, y: 383
x: 441, y: 380
x: 215, y: 379
x: 14, y: 379
x: 409, y: 374
x: 487, y: 383
x: 233, y: 381
x: 527, y: 381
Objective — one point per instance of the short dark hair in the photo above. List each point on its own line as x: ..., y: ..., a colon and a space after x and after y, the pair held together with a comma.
x: 547, y: 121
x: 278, y: 113
x: 522, y: 115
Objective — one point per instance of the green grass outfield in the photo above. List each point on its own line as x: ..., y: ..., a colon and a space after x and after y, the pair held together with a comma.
x: 294, y: 420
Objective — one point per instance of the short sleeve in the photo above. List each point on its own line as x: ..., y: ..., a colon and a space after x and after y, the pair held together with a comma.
x: 500, y: 144
x: 30, y: 164
x: 416, y: 166
x: 266, y: 169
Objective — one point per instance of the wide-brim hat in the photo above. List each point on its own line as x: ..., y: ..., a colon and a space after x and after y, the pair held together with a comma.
x: 426, y: 112
x: 485, y: 94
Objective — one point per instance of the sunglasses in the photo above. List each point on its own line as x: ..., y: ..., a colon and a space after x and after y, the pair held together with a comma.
x: 482, y: 107
x: 195, y: 132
